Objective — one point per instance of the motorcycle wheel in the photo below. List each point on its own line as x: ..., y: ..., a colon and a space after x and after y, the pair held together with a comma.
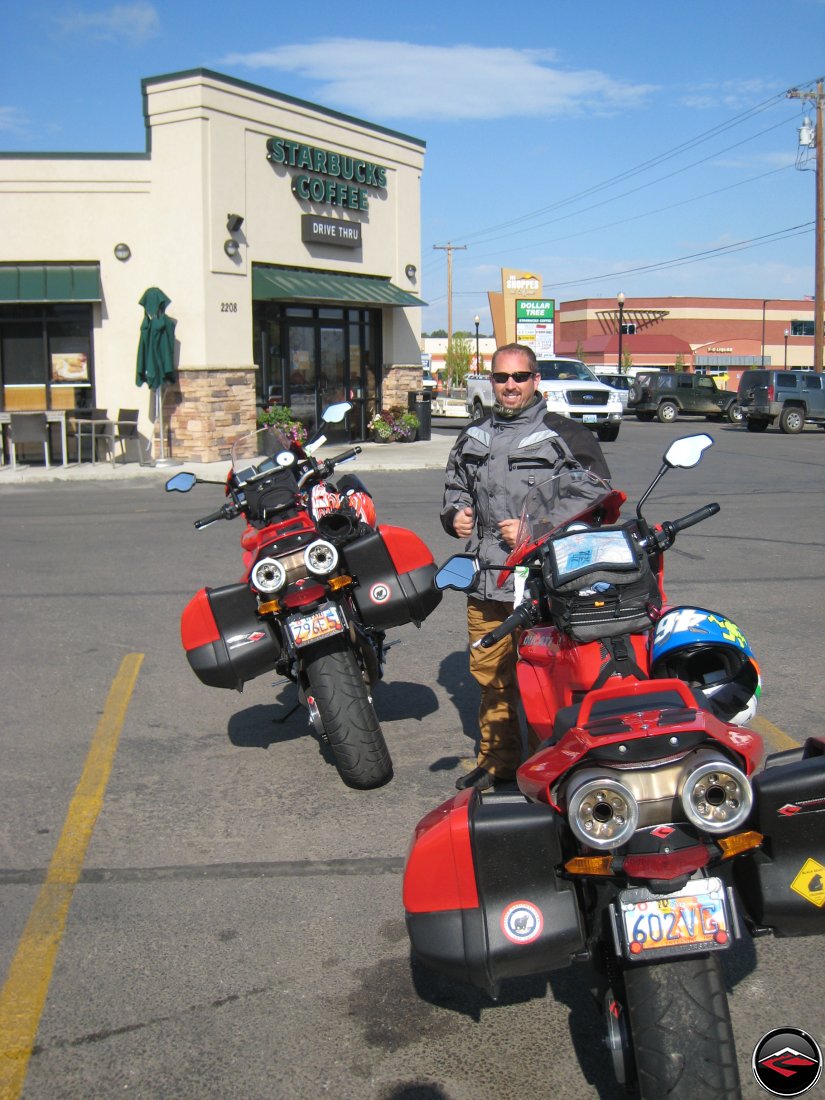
x: 346, y: 712
x: 681, y: 1032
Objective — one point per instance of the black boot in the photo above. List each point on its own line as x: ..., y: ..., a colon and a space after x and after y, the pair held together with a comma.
x: 479, y: 778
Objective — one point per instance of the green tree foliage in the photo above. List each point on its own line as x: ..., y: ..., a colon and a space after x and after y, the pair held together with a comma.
x: 679, y: 362
x: 458, y: 359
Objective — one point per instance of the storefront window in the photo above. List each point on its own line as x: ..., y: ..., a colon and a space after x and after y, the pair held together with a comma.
x: 46, y: 357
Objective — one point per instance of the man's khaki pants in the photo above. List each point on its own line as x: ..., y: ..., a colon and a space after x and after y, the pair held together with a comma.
x: 494, y: 669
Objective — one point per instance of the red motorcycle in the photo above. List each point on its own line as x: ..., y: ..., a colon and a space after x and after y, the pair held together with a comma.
x: 648, y: 828
x: 322, y: 584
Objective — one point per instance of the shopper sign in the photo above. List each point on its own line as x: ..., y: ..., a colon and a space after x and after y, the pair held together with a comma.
x: 535, y: 325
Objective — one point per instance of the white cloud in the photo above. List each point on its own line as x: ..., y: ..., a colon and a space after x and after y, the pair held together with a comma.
x: 12, y: 120
x: 405, y: 80
x: 135, y: 23
x: 731, y: 94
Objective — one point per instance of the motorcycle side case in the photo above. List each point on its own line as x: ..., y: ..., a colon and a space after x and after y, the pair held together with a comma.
x: 482, y: 900
x: 225, y: 641
x: 782, y: 884
x: 394, y: 572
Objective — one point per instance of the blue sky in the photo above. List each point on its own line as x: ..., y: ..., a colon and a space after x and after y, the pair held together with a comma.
x: 599, y: 145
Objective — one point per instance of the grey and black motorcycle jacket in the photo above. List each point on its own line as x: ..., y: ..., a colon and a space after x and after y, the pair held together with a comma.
x: 493, y: 465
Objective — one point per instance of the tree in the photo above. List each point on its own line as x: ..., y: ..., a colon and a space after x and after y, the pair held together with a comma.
x: 438, y: 333
x: 458, y: 359
x: 679, y: 362
x: 627, y: 362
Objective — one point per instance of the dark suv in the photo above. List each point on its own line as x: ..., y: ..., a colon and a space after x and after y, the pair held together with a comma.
x: 666, y: 394
x: 788, y: 396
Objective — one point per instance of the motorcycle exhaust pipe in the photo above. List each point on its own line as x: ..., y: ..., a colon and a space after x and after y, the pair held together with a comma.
x: 716, y: 797
x: 602, y: 812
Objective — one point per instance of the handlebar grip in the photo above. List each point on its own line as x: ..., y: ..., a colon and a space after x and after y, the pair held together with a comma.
x: 521, y: 617
x: 344, y: 456
x: 206, y: 520
x: 698, y: 516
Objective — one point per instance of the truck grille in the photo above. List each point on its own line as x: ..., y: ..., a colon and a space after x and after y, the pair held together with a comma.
x: 596, y: 398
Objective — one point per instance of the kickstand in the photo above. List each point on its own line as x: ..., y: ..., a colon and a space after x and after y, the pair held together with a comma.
x: 283, y: 717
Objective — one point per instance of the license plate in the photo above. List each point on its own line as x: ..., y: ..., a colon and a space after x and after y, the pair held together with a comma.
x: 306, y: 629
x: 589, y: 418
x: 695, y: 918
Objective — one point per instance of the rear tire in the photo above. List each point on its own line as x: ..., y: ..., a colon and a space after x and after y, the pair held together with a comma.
x: 667, y: 412
x: 645, y: 417
x: 349, y: 719
x: 757, y: 425
x: 791, y: 420
x: 681, y: 1031
x: 735, y: 414
x: 477, y: 413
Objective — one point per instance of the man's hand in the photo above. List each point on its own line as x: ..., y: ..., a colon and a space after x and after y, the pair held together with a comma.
x: 464, y: 522
x: 508, y: 529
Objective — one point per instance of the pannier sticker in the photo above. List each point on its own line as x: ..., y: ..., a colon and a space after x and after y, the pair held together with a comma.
x: 522, y: 922
x: 380, y: 593
x: 810, y: 883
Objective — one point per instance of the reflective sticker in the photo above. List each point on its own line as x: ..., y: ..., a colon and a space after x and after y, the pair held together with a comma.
x: 810, y: 883
x: 380, y: 593
x: 522, y: 922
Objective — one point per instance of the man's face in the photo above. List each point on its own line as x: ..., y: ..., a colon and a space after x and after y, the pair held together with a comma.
x: 509, y: 393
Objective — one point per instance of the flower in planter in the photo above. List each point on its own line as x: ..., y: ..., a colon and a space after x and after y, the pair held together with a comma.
x: 395, y: 424
x: 284, y: 419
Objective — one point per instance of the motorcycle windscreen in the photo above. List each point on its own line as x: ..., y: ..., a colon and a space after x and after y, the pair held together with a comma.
x: 226, y: 642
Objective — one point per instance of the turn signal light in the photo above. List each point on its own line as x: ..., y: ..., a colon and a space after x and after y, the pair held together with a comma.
x: 741, y: 842
x: 339, y: 582
x: 270, y: 607
x: 590, y: 865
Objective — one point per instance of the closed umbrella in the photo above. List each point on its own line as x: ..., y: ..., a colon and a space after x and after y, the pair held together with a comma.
x: 156, y: 352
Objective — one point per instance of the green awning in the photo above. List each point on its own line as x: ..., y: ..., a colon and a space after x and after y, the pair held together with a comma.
x: 287, y: 284
x: 50, y: 283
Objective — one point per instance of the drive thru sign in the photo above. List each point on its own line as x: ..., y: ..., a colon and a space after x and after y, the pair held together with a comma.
x: 535, y: 325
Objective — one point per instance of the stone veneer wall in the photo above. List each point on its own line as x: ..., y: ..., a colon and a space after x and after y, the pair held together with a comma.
x: 207, y: 410
x: 399, y: 380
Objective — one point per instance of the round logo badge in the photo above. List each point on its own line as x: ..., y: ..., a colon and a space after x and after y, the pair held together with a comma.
x: 522, y: 922
x: 787, y: 1062
x: 380, y: 593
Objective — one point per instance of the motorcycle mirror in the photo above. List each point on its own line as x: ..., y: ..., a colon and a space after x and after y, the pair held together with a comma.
x: 181, y: 483
x: 335, y: 413
x: 686, y: 452
x: 459, y: 572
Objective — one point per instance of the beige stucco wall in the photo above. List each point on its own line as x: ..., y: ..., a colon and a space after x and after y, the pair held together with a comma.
x: 207, y: 141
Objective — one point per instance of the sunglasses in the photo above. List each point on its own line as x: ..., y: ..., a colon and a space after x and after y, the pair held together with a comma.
x: 517, y: 376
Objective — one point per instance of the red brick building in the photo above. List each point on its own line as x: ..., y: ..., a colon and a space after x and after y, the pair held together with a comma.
x: 722, y: 335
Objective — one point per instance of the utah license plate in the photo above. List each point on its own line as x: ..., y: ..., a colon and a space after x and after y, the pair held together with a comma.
x: 589, y: 418
x: 694, y: 918
x: 306, y: 629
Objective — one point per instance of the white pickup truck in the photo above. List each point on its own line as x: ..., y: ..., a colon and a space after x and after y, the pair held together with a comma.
x: 570, y: 389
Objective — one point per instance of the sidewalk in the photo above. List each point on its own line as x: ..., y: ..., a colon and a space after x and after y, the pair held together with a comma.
x: 427, y: 455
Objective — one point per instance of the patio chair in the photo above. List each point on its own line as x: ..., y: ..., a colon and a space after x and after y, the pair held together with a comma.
x: 126, y: 431
x: 31, y: 427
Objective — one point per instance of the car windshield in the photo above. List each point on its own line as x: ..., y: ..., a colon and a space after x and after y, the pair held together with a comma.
x: 568, y: 496
x: 256, y: 452
x: 554, y: 370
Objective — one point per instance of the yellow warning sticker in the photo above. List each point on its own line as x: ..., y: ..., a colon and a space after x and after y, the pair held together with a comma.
x: 810, y: 883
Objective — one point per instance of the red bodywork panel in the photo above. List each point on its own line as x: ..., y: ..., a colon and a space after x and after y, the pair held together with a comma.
x: 197, y: 623
x: 440, y: 874
x: 406, y: 549
x: 254, y: 539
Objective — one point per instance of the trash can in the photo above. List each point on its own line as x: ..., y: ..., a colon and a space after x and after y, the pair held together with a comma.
x: 418, y: 404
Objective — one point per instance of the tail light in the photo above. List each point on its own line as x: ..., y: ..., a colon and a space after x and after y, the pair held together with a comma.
x: 716, y: 797
x: 770, y: 393
x: 603, y: 813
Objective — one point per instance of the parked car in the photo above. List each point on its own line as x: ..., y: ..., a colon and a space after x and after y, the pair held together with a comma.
x: 789, y: 397
x: 620, y: 382
x: 668, y: 394
x: 429, y: 384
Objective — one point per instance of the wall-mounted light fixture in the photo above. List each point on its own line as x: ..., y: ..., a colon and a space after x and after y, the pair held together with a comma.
x: 231, y: 248
x: 122, y: 252
x: 234, y: 222
x: 410, y: 271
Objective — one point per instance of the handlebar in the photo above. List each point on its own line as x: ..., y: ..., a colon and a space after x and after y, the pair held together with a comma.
x: 319, y: 471
x: 226, y: 511
x: 523, y: 616
x: 664, y: 538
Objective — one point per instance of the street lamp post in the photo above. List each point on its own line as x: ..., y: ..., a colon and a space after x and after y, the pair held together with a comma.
x: 787, y: 334
x: 620, y: 300
x: 477, y: 321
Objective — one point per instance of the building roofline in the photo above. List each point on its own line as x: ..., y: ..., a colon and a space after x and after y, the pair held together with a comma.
x: 279, y: 96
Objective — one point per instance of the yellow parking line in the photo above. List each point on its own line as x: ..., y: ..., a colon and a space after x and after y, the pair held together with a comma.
x: 24, y: 993
x: 778, y: 738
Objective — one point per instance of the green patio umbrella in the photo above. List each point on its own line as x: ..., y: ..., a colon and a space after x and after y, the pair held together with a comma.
x: 156, y: 351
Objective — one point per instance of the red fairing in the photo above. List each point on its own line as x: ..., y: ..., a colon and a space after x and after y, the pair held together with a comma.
x: 439, y: 874
x: 197, y: 623
x: 253, y: 539
x: 405, y: 548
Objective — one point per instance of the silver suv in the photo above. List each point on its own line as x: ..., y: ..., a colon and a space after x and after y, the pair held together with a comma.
x: 789, y: 397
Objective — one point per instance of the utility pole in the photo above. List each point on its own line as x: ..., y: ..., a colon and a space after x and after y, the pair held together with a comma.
x: 819, y: 247
x: 450, y: 249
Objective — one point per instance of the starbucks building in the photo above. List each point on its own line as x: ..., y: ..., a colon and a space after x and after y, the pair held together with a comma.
x: 286, y: 237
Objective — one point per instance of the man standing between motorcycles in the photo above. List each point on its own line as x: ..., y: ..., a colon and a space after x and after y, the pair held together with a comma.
x: 489, y: 471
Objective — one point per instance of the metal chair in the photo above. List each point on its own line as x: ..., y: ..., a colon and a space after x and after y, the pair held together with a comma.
x: 126, y: 431
x: 94, y: 425
x: 28, y: 428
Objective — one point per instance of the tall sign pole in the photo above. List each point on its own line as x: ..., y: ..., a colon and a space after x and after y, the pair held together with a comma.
x: 819, y: 247
x: 450, y: 249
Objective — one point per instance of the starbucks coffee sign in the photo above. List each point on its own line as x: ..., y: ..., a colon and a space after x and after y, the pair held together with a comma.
x: 325, y: 177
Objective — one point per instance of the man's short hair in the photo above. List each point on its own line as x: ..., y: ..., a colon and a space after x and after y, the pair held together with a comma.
x: 521, y: 349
